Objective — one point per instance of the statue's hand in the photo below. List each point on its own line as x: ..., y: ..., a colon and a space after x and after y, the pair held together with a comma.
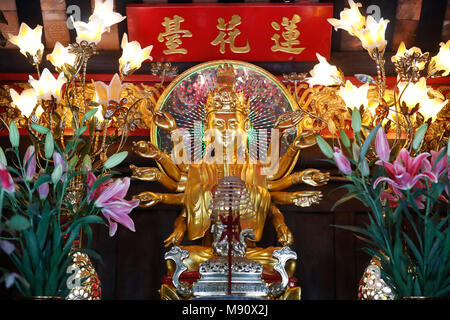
x: 164, y: 120
x: 148, y: 199
x: 284, y: 235
x: 177, y: 236
x: 315, y: 178
x: 145, y: 149
x: 304, y: 140
x: 145, y: 173
x: 306, y: 198
x: 288, y: 120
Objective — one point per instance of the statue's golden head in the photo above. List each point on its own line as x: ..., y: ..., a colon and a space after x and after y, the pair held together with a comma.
x: 226, y: 109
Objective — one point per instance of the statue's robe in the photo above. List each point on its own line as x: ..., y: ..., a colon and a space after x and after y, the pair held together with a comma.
x: 198, y: 194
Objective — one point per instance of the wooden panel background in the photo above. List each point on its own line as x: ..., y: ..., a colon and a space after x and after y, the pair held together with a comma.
x: 330, y: 260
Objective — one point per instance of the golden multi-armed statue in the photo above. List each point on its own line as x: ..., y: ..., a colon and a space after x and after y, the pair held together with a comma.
x: 227, y: 123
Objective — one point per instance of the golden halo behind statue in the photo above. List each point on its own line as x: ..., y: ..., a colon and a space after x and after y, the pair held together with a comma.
x: 185, y: 99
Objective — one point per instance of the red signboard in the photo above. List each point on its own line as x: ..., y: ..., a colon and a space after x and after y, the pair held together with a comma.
x: 249, y: 32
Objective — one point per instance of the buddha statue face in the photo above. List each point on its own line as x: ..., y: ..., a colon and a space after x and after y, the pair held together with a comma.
x: 228, y: 129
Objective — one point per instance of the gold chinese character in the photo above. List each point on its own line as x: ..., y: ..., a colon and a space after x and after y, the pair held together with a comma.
x: 290, y: 35
x: 172, y: 35
x: 232, y: 34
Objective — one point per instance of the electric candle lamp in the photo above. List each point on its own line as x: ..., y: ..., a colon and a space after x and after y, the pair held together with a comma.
x: 132, y: 56
x: 442, y: 60
x: 111, y: 92
x: 373, y: 35
x: 90, y: 32
x: 48, y: 86
x: 104, y: 12
x: 25, y: 101
x: 354, y: 96
x: 61, y: 56
x: 402, y: 52
x: 324, y: 73
x: 350, y: 20
x: 29, y: 42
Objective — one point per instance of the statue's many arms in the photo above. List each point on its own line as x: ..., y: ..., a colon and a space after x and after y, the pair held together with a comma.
x: 226, y: 114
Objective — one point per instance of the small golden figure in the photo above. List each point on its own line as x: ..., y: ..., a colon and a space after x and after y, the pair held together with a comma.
x: 172, y: 35
x: 230, y: 32
x: 226, y: 117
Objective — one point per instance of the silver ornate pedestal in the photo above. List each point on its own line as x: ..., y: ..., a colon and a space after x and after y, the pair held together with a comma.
x: 245, y: 281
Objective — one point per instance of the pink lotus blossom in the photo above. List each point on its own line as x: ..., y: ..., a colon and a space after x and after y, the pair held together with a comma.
x: 382, y: 145
x: 404, y: 172
x: 109, y: 196
x: 342, y: 162
x: 29, y: 163
x: 6, y: 180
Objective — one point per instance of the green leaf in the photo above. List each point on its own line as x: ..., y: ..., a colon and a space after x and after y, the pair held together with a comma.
x: 324, y: 147
x: 80, y: 131
x: 115, y: 159
x: 3, y: 157
x: 49, y: 145
x: 344, y: 138
x: 39, y: 128
x: 419, y: 135
x: 18, y: 223
x: 356, y: 120
x: 368, y: 141
x: 14, y: 136
x: 89, y: 114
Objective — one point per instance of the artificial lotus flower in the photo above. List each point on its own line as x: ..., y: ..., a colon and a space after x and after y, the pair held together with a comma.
x: 7, y: 182
x: 402, y: 51
x: 109, y: 93
x: 132, y: 55
x: 324, y: 73
x: 29, y: 41
x: 404, y: 172
x: 373, y: 35
x: 29, y: 163
x: 441, y: 61
x: 417, y: 93
x: 25, y: 101
x: 48, y: 86
x: 109, y: 196
x: 104, y: 12
x: 61, y: 55
x: 382, y: 146
x: 90, y: 32
x: 342, y: 162
x: 354, y: 96
x: 350, y: 20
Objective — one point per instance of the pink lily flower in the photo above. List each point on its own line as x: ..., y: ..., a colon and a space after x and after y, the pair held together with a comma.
x: 7, y: 182
x: 404, y: 172
x: 342, y: 162
x: 439, y: 167
x: 29, y: 162
x: 109, y: 196
x: 382, y: 145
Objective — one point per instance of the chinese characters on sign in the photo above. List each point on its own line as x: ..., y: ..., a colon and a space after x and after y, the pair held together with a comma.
x: 252, y: 32
x: 171, y: 35
x: 231, y: 32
